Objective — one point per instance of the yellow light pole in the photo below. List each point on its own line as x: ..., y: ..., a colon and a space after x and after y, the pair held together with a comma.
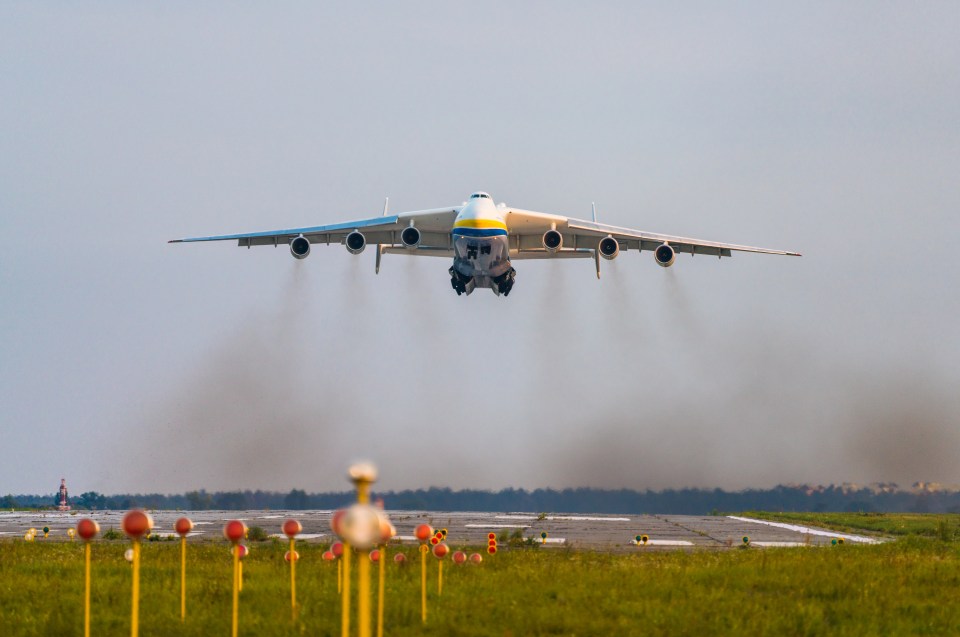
x: 363, y: 602
x: 87, y: 529
x: 291, y: 528
x: 183, y: 579
x: 235, y: 530
x: 183, y: 526
x: 363, y: 475
x: 136, y: 524
x: 361, y: 527
x: 242, y: 551
x: 345, y: 598
x: 381, y: 587
x: 423, y: 532
x: 235, y: 615
x: 423, y: 582
x: 340, y: 552
x: 86, y: 589
x: 440, y: 551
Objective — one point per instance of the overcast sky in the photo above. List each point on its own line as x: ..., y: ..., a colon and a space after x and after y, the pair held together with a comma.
x: 128, y: 364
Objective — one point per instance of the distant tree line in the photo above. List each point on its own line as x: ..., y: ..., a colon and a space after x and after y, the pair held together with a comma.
x: 583, y: 500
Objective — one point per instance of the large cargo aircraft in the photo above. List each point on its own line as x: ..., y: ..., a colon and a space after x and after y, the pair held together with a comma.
x: 484, y: 239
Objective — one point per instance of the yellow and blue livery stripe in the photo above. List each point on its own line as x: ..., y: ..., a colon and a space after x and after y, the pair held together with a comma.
x: 479, y: 228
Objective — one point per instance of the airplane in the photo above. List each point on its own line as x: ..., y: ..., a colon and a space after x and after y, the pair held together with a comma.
x: 484, y: 239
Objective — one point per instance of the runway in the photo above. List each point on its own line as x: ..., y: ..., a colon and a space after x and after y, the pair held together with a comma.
x: 612, y: 533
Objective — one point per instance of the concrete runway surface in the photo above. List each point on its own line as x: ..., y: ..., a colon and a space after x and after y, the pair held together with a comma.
x: 594, y: 532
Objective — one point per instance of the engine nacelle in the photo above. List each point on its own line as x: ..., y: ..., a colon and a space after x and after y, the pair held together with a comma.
x: 410, y: 238
x: 552, y: 241
x: 355, y: 242
x: 300, y: 247
x: 609, y: 248
x: 665, y: 255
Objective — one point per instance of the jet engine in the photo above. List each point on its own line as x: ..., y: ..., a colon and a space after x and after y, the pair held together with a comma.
x: 552, y: 241
x: 410, y: 238
x: 300, y: 247
x: 355, y: 242
x: 609, y: 248
x: 665, y: 255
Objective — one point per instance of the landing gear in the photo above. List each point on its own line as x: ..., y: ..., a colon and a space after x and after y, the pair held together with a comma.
x: 460, y: 283
x: 504, y: 282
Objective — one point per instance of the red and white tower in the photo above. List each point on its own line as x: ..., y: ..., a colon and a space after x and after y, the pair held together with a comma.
x: 63, y: 504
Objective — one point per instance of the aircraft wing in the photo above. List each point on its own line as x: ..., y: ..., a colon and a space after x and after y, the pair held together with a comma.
x: 434, y: 226
x: 581, y: 237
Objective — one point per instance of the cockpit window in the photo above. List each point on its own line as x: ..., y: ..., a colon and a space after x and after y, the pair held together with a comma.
x: 474, y: 196
x: 479, y: 195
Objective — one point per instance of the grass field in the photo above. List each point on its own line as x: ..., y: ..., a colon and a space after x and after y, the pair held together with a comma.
x: 904, y: 587
x: 942, y: 526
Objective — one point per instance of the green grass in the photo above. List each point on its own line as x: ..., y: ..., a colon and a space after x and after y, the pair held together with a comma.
x: 907, y: 587
x: 940, y: 526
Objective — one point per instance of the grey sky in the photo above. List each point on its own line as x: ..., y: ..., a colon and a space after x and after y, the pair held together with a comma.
x: 127, y: 364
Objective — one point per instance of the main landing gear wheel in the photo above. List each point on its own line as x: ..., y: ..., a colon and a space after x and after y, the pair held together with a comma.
x: 504, y: 282
x: 458, y: 282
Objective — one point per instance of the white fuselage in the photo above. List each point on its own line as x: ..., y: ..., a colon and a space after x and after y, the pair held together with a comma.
x: 480, y: 243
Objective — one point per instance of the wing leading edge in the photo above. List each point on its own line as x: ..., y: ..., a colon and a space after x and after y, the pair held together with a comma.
x: 434, y: 224
x: 527, y: 227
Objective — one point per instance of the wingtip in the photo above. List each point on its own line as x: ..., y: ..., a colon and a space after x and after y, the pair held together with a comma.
x: 175, y: 241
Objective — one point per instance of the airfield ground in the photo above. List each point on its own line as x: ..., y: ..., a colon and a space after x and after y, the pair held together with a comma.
x: 610, y: 533
x: 901, y: 587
